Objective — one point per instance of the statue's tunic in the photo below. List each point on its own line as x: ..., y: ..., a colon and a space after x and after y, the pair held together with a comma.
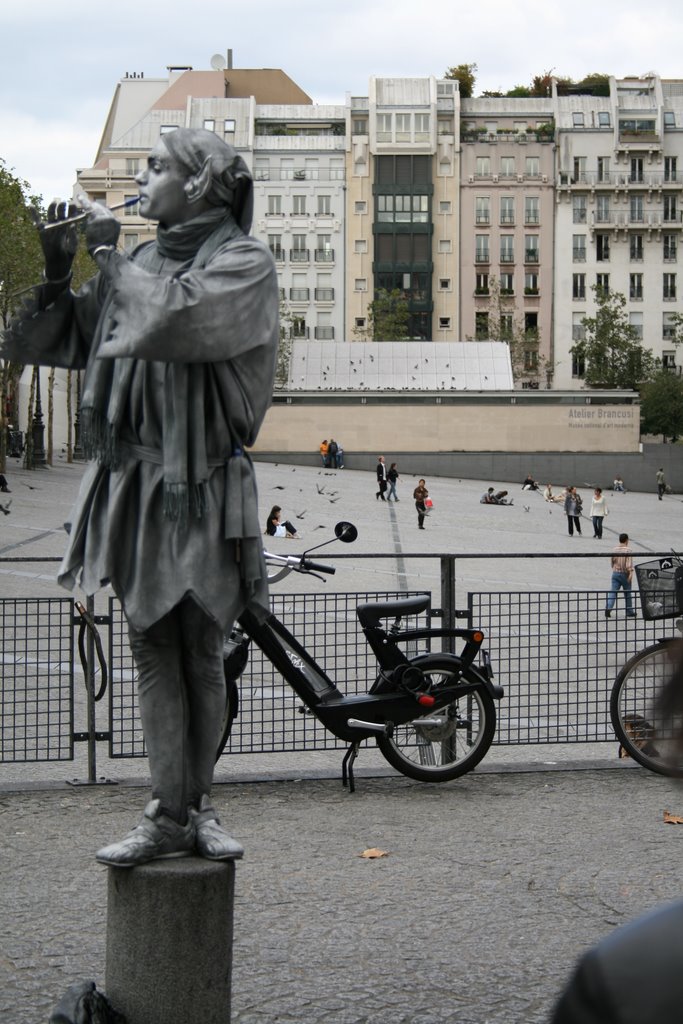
x: 179, y: 354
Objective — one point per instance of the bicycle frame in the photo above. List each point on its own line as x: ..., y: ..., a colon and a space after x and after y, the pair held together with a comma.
x: 388, y: 703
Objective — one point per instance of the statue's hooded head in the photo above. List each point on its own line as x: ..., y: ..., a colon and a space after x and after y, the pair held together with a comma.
x: 229, y: 183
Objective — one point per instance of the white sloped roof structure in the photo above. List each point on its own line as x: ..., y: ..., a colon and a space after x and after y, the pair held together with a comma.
x: 400, y: 366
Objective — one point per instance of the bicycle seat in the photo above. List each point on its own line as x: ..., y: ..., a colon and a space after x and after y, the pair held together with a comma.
x: 371, y: 613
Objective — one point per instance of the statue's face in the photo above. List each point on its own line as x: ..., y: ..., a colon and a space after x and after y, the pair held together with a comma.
x: 162, y: 189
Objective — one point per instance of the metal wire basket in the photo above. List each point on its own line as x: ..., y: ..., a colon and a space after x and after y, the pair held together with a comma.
x: 660, y: 583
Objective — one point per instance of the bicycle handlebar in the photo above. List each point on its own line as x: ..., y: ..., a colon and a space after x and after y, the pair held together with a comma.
x: 307, y: 566
x: 284, y: 564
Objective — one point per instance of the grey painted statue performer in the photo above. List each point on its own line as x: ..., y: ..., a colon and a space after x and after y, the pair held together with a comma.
x: 178, y: 342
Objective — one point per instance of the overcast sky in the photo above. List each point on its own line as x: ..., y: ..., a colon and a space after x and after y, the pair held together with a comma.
x: 59, y: 64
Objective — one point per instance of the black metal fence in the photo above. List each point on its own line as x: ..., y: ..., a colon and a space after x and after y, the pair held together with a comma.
x: 554, y: 652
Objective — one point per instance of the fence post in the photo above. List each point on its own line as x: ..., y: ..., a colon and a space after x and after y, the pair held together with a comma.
x: 448, y: 600
x: 90, y: 692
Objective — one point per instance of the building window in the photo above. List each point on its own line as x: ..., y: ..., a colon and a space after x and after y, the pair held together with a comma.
x: 384, y: 128
x: 604, y: 119
x: 669, y: 248
x: 261, y: 170
x: 360, y: 284
x: 507, y: 283
x: 636, y: 209
x: 324, y: 253
x: 422, y: 128
x: 669, y: 119
x: 166, y: 128
x: 579, y: 169
x: 668, y: 327
x: 603, y: 168
x: 531, y: 284
x: 360, y: 245
x: 507, y: 248
x: 444, y: 323
x: 507, y: 210
x: 275, y: 246
x: 579, y: 248
x: 670, y: 208
x: 602, y: 248
x: 577, y: 119
x: 299, y: 206
x: 507, y: 167
x: 131, y: 240
x: 402, y: 127
x: 482, y: 210
x: 481, y: 284
x: 229, y: 126
x: 531, y: 251
x: 481, y: 249
x: 483, y: 167
x: 578, y: 286
x: 530, y: 360
x: 669, y: 360
x: 636, y: 170
x: 132, y: 166
x: 579, y: 209
x: 445, y: 245
x: 531, y: 210
x: 602, y: 284
x: 670, y: 173
x: 481, y: 326
x: 578, y: 366
x: 444, y: 206
x: 668, y: 286
x: 359, y: 126
x: 299, y: 327
x: 130, y: 211
x: 209, y: 124
x: 274, y: 206
x: 635, y: 248
x: 602, y: 210
x: 532, y: 167
x: 360, y: 322
x: 531, y: 324
x: 578, y: 329
x: 506, y: 325
x: 635, y: 287
x: 360, y: 207
x: 636, y: 323
x: 444, y: 284
x: 324, y: 206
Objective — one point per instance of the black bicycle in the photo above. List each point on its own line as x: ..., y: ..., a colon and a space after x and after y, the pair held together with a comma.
x: 432, y: 715
x: 647, y: 732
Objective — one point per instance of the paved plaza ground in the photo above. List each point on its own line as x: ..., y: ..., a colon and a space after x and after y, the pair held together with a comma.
x: 492, y: 885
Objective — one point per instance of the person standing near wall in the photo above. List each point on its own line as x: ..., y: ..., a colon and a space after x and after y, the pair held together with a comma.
x: 598, y: 512
x: 661, y: 483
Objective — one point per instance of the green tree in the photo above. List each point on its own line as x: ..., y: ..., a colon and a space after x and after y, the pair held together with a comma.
x: 661, y: 405
x: 465, y: 75
x: 20, y: 265
x: 504, y: 323
x: 388, y: 317
x: 611, y: 350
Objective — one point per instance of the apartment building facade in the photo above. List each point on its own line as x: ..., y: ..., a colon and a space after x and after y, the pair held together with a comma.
x: 493, y: 216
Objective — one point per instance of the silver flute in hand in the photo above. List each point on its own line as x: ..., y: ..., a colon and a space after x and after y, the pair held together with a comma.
x: 81, y: 216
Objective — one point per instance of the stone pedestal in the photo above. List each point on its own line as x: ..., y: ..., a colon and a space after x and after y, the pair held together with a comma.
x: 169, y: 941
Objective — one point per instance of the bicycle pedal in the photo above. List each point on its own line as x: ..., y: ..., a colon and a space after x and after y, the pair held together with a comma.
x: 303, y: 710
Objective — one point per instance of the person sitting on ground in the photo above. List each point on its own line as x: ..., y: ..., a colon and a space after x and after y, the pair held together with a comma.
x: 529, y: 484
x: 500, y: 498
x: 487, y: 498
x: 618, y: 484
x: 274, y: 528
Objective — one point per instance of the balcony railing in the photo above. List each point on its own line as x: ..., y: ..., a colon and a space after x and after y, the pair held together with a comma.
x: 278, y: 255
x: 482, y: 256
x: 300, y: 333
x: 579, y: 255
x: 324, y: 294
x: 324, y: 255
x: 531, y: 255
x: 300, y: 255
x: 323, y: 333
x: 507, y: 257
x: 299, y: 294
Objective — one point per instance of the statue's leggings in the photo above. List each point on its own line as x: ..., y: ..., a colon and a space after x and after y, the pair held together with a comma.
x: 181, y: 694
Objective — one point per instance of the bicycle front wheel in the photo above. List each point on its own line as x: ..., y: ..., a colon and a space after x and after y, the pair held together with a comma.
x: 637, y: 719
x: 447, y: 743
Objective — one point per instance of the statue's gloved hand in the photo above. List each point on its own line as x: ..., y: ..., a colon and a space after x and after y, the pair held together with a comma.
x: 59, y: 244
x: 101, y: 227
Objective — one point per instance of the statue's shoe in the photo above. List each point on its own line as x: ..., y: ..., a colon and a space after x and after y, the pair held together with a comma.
x: 157, y: 836
x: 212, y: 841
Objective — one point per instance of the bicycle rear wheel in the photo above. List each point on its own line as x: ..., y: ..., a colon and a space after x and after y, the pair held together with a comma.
x: 634, y: 708
x: 451, y: 741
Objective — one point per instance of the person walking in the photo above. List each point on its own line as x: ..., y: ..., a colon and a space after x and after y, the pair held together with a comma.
x: 392, y: 477
x: 661, y: 483
x: 598, y: 512
x: 622, y: 575
x: 381, y: 478
x: 420, y: 494
x: 3, y: 484
x: 572, y: 508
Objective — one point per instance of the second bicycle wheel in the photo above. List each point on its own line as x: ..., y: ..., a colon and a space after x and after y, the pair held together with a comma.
x: 643, y: 731
x: 449, y: 742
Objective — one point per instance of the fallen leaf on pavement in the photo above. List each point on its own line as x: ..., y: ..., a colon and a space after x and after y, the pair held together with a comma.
x: 672, y: 819
x: 373, y: 853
